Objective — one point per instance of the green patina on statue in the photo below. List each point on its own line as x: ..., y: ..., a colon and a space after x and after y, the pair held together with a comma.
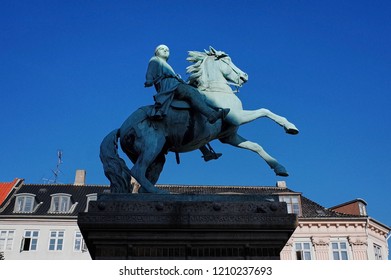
x: 185, y: 117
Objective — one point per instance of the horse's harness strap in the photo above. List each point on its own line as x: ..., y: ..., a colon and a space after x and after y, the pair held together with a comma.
x: 237, y: 85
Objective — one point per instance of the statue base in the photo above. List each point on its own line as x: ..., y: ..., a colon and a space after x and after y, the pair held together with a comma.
x: 186, y: 226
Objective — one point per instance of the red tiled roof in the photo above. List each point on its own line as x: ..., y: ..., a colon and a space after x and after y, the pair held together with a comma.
x: 5, y: 189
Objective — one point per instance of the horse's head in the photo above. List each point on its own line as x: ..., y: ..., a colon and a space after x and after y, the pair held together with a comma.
x: 229, y: 70
x: 212, y: 69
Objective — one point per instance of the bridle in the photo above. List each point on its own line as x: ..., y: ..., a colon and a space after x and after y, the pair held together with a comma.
x: 236, y: 85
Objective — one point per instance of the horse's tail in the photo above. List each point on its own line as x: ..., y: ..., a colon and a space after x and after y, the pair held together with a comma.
x: 115, y: 167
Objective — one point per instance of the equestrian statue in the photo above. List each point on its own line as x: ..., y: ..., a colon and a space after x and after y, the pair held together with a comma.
x: 186, y: 116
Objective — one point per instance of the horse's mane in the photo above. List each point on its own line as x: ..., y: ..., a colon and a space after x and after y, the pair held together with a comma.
x: 196, y: 70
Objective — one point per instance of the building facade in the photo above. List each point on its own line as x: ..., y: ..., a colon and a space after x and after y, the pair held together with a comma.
x: 40, y: 222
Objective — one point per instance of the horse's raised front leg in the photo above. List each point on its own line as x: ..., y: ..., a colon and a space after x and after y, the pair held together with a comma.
x: 238, y: 141
x: 240, y: 117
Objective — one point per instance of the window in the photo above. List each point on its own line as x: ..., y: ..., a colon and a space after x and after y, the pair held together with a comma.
x: 24, y: 203
x: 377, y: 249
x: 79, y: 245
x: 56, y: 240
x: 339, y: 250
x: 61, y: 203
x: 6, y: 240
x: 362, y: 208
x: 292, y: 203
x: 303, y: 250
x: 91, y: 197
x: 30, y: 240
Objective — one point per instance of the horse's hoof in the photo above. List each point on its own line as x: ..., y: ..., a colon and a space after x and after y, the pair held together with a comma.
x: 291, y: 130
x: 280, y: 171
x: 152, y: 190
x: 160, y: 191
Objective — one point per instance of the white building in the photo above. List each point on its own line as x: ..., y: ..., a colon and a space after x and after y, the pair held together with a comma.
x: 40, y: 221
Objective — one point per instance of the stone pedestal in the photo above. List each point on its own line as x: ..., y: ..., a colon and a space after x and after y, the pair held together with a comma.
x: 183, y: 226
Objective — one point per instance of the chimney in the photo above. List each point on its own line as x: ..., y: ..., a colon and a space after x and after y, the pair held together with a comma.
x: 281, y: 184
x: 80, y: 177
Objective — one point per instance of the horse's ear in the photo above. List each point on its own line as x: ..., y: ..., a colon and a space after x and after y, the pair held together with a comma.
x: 212, y: 50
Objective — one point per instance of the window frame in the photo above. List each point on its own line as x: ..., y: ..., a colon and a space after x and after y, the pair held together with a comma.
x: 79, y: 242
x: 62, y: 198
x: 288, y: 199
x: 30, y: 240
x: 302, y: 251
x: 90, y: 197
x: 21, y: 207
x: 339, y: 250
x: 377, y: 250
x: 362, y: 209
x: 8, y: 242
x: 58, y: 244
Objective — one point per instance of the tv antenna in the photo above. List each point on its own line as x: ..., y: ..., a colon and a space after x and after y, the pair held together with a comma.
x: 56, y: 172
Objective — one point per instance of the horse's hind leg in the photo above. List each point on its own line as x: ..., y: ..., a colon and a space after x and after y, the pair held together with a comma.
x: 152, y: 174
x: 150, y: 151
x: 156, y: 168
x: 244, y: 116
x: 238, y: 141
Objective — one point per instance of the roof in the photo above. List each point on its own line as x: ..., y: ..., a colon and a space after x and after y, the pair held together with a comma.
x: 310, y: 209
x: 43, y: 192
x: 6, y: 189
x: 43, y: 196
x: 350, y: 202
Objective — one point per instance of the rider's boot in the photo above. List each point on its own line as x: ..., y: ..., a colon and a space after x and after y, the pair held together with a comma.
x: 209, y: 154
x: 220, y: 114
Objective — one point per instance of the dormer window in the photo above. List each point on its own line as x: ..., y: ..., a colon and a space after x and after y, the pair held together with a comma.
x: 91, y: 197
x: 362, y: 209
x: 61, y: 203
x: 25, y: 203
x: 292, y: 203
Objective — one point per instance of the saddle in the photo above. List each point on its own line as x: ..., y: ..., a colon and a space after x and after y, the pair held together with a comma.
x: 155, y: 114
x: 180, y: 104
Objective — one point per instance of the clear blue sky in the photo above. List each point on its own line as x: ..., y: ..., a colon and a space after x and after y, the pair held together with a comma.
x: 71, y: 71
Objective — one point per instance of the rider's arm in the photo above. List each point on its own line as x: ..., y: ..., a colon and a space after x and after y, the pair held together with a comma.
x: 152, y: 73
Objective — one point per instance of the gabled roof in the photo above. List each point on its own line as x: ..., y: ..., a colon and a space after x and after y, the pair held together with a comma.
x: 6, y: 189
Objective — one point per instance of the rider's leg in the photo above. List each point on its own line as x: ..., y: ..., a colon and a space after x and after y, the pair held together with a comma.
x: 193, y: 96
